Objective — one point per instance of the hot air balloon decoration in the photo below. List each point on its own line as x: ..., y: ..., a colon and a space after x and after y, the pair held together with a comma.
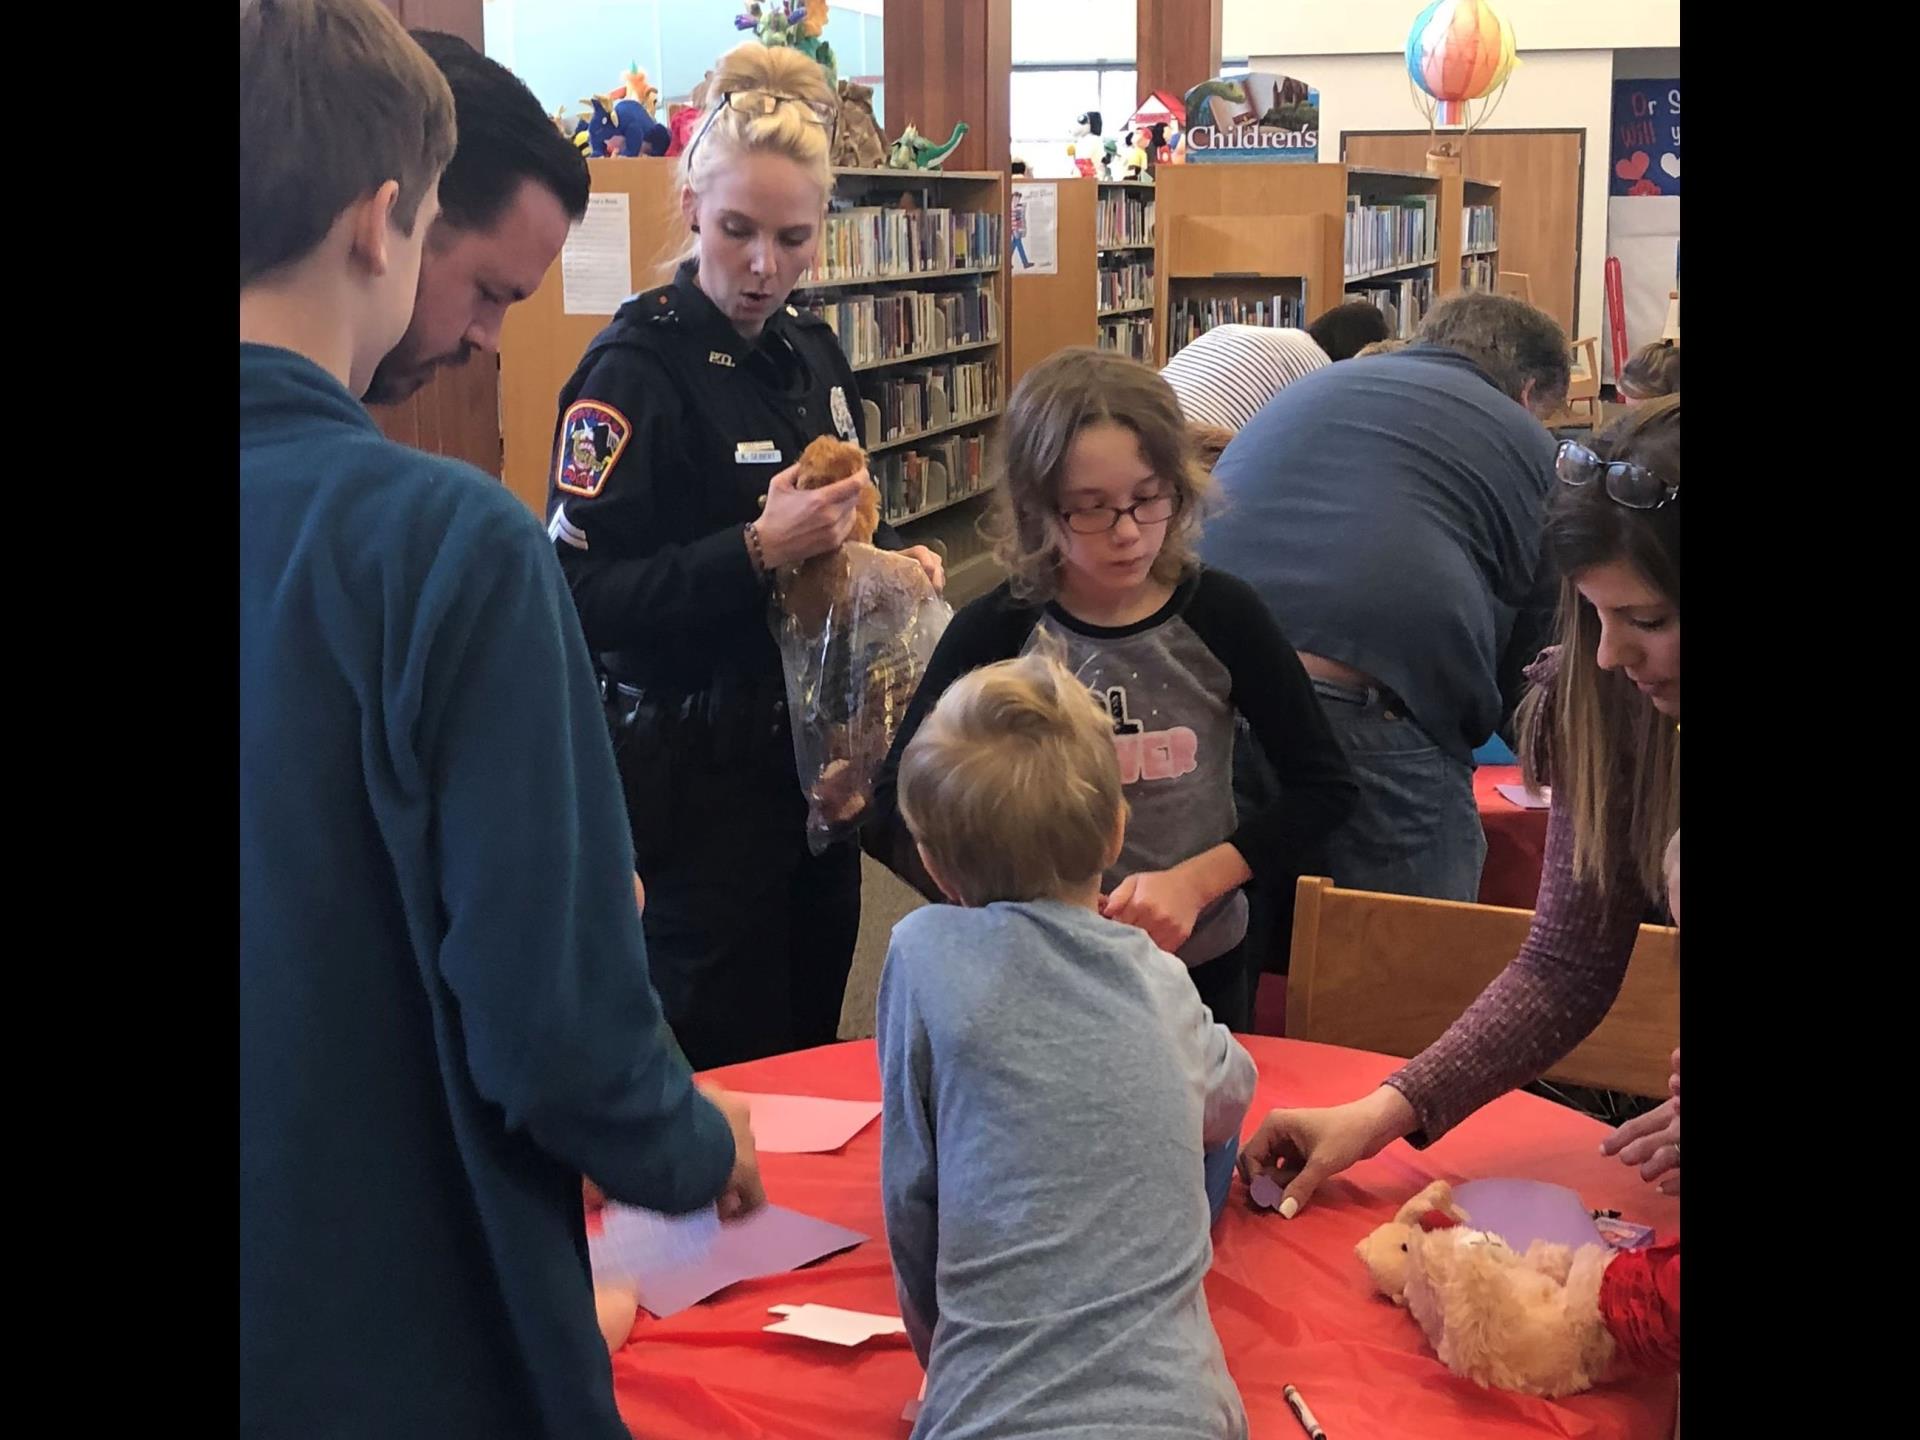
x: 1459, y: 52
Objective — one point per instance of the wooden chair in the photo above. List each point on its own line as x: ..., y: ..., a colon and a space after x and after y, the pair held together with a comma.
x: 1583, y: 387
x: 1390, y: 973
x: 1516, y: 283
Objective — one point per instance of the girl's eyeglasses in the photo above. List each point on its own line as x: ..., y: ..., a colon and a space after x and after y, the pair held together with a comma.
x: 1633, y: 486
x: 762, y: 102
x: 1098, y: 519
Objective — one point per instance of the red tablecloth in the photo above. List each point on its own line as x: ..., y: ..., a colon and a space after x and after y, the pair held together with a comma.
x: 1290, y: 1301
x: 1516, y: 841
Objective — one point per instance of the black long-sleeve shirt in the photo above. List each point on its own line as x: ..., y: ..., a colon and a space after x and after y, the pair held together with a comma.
x: 1173, y: 683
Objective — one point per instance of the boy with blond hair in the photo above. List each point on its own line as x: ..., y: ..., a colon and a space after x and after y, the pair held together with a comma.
x: 445, y: 1015
x: 1052, y: 1084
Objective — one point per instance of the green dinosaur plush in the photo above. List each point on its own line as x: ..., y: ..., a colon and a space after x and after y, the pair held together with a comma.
x: 912, y: 151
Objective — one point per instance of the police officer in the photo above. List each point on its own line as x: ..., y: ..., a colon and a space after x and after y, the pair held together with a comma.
x: 671, y: 503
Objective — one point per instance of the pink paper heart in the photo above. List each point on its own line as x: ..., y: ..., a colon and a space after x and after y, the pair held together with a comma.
x: 1644, y: 187
x: 1633, y: 167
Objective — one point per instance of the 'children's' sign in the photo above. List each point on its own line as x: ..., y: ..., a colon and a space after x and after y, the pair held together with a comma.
x: 1252, y: 117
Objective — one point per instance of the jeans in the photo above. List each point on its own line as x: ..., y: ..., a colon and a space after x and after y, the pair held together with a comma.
x: 1416, y: 829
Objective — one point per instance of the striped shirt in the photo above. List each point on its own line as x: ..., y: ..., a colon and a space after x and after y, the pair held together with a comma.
x: 1227, y: 376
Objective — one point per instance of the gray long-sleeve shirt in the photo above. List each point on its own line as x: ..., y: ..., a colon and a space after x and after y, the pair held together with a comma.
x: 1051, y: 1081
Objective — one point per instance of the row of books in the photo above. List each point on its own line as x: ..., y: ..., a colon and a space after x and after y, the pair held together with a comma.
x: 1123, y: 217
x: 1131, y: 335
x: 1130, y: 284
x: 930, y: 396
x: 1402, y: 231
x: 1189, y: 319
x: 1479, y: 272
x: 1404, y: 302
x: 900, y: 324
x: 1478, y: 224
x: 870, y: 243
x: 929, y: 476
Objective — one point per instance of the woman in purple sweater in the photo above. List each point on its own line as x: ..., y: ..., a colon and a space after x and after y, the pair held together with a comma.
x: 1603, y: 725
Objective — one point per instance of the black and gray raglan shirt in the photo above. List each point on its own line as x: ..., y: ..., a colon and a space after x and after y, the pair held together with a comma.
x: 1174, y: 684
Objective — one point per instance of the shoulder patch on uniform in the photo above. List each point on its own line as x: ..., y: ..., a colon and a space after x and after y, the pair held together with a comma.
x: 592, y: 435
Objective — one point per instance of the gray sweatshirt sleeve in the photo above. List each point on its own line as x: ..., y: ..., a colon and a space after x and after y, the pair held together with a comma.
x: 909, y: 1175
x: 1226, y: 1070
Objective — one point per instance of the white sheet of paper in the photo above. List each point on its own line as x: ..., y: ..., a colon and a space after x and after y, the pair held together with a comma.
x: 1036, y: 229
x: 1526, y: 799
x: 831, y: 1324
x: 596, y: 263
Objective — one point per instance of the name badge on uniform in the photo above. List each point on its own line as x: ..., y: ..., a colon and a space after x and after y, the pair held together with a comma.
x: 843, y: 416
x: 756, y: 452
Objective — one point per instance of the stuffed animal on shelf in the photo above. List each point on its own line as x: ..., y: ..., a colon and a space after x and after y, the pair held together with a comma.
x: 1553, y: 1321
x: 1136, y: 162
x: 683, y: 121
x: 795, y: 23
x: 1085, y: 128
x: 913, y: 152
x: 615, y: 127
x: 856, y: 134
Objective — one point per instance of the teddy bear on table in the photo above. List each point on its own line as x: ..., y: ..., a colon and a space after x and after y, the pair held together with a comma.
x: 1551, y: 1322
x: 857, y: 626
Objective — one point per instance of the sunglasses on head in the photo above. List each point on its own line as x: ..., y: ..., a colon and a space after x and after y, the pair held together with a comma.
x: 761, y: 102
x: 1633, y: 486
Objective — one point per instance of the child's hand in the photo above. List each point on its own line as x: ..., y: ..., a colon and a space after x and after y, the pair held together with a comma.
x: 1164, y: 903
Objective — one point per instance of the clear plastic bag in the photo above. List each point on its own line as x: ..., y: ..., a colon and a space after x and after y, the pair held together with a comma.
x: 856, y: 629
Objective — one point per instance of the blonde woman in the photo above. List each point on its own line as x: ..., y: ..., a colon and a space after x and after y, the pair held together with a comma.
x: 1603, y: 725
x: 671, y: 502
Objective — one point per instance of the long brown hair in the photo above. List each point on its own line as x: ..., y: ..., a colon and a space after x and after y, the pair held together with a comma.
x: 1612, y: 758
x: 1059, y: 397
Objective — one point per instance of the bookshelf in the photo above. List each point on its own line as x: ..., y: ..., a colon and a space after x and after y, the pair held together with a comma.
x: 1392, y: 243
x: 910, y: 277
x: 1125, y: 248
x: 921, y: 319
x: 1469, y: 233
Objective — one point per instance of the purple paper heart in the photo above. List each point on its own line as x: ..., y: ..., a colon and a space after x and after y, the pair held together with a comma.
x: 1265, y: 1192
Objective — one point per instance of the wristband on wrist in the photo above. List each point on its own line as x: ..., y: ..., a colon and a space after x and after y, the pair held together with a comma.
x: 754, y: 552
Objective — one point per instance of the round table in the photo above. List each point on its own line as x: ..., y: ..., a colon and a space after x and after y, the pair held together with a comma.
x: 1290, y: 1300
x: 1516, y: 841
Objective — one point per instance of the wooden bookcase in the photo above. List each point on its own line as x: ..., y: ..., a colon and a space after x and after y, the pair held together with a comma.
x: 1407, y: 269
x: 1461, y: 253
x: 1125, y: 226
x: 540, y: 345
x: 1246, y: 232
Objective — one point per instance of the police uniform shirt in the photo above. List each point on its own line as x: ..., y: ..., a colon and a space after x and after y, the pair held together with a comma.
x: 671, y: 429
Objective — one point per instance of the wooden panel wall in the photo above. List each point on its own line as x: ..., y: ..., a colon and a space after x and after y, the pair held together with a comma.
x: 540, y: 343
x: 1052, y: 312
x: 1540, y: 193
x: 1178, y: 44
x: 950, y: 60
x: 458, y: 413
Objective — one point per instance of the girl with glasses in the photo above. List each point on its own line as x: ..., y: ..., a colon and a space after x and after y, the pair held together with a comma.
x: 1096, y: 516
x: 671, y: 503
x: 1602, y: 726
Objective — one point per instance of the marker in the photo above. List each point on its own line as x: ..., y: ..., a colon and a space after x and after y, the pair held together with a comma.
x: 1297, y: 1403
